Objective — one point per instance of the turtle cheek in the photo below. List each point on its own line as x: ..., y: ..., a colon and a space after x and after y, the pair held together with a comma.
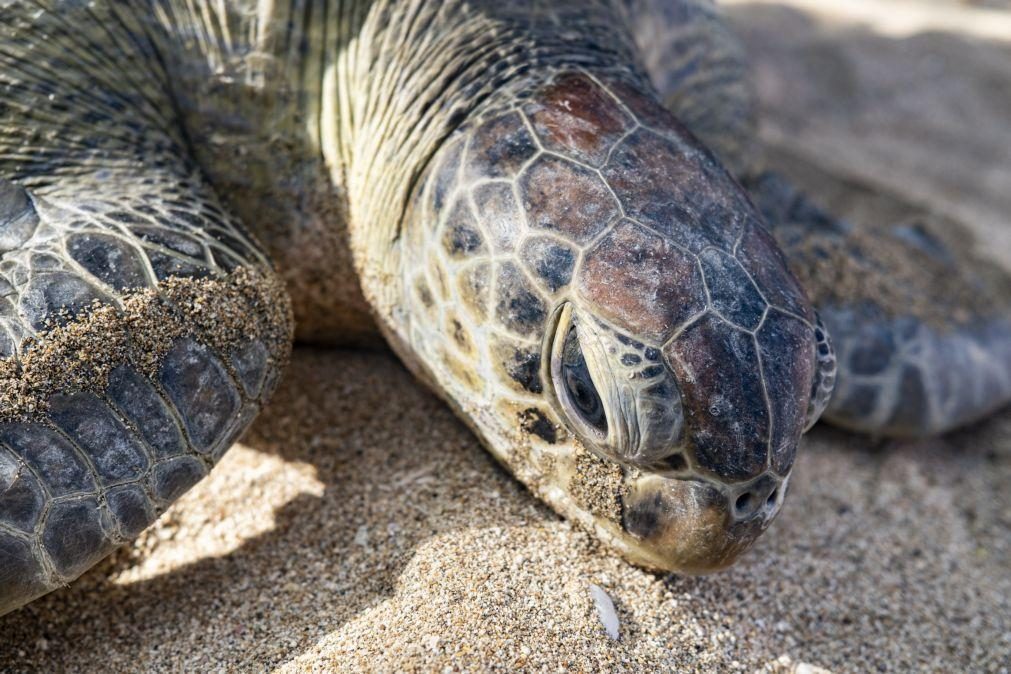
x: 686, y: 526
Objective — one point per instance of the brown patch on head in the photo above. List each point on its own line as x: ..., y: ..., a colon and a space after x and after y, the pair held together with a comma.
x: 574, y: 116
x: 499, y: 147
x: 725, y: 414
x: 598, y: 485
x: 566, y: 198
x: 678, y: 189
x: 473, y: 284
x: 641, y: 281
x: 647, y: 110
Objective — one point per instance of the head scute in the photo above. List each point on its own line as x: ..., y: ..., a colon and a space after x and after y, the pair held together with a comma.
x: 629, y: 297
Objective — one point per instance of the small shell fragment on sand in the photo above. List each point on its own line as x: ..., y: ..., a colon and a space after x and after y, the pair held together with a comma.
x: 605, y: 610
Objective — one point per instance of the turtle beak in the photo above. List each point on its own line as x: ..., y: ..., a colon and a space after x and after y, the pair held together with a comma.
x: 692, y: 527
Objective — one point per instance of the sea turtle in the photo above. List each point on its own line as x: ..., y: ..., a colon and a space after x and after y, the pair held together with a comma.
x: 496, y: 189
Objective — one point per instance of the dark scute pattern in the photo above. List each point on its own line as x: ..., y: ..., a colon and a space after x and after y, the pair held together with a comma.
x: 717, y: 368
x: 146, y: 410
x: 169, y: 237
x: 21, y: 496
x: 57, y: 297
x: 686, y: 196
x: 518, y: 306
x: 226, y: 260
x: 232, y: 434
x: 18, y: 218
x: 786, y: 346
x: 250, y: 362
x: 171, y: 479
x: 38, y: 261
x: 22, y: 577
x: 7, y: 345
x: 109, y: 259
x: 640, y: 280
x: 166, y: 266
x: 201, y: 390
x: 461, y: 237
x: 500, y: 147
x: 563, y: 197
x: 762, y: 259
x: 130, y: 508
x: 549, y: 261
x: 234, y: 244
x: 522, y: 364
x: 75, y: 536
x: 57, y: 462
x: 575, y: 117
x: 533, y: 421
x: 111, y: 446
x: 731, y: 290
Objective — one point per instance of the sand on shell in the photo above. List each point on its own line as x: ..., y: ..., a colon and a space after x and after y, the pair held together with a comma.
x: 360, y: 526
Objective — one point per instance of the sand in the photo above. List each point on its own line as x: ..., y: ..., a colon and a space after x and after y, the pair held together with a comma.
x: 360, y: 526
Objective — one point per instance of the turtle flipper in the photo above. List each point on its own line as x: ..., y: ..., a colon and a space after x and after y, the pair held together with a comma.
x: 140, y: 329
x: 134, y: 354
x: 921, y: 326
x: 700, y: 70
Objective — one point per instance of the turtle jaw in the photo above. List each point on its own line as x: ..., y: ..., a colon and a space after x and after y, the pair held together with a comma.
x: 676, y: 515
x: 693, y: 526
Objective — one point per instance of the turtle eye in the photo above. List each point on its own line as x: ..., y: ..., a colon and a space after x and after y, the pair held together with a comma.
x: 579, y: 385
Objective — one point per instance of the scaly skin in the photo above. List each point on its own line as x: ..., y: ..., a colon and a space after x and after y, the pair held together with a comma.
x: 495, y: 184
x: 587, y: 206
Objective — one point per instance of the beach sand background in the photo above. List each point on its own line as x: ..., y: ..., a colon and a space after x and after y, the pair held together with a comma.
x: 360, y: 526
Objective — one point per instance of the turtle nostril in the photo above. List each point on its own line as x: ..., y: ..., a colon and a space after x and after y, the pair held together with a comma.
x: 745, y: 504
x: 756, y: 501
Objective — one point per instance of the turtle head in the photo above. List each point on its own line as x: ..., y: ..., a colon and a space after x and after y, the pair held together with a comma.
x: 641, y: 355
